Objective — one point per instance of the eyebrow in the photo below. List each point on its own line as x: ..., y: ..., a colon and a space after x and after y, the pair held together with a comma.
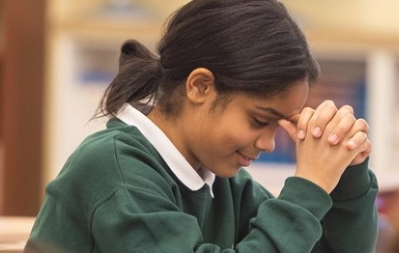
x: 276, y: 113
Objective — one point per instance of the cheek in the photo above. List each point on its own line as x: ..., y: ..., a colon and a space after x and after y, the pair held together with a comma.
x: 225, y: 133
x: 235, y: 136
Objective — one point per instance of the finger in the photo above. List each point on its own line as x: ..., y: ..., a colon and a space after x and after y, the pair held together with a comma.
x: 322, y: 116
x: 346, y: 109
x: 342, y: 121
x: 366, y: 151
x: 360, y: 126
x: 294, y: 118
x: 357, y: 140
x: 342, y: 127
x: 303, y: 121
x: 289, y: 128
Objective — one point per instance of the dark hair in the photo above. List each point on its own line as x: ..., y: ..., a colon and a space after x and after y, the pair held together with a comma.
x: 251, y: 46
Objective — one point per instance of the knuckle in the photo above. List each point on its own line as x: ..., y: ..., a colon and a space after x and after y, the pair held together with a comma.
x: 331, y: 105
x: 349, y: 117
x: 363, y: 124
x: 362, y: 139
x: 306, y: 114
x: 307, y: 110
x: 347, y: 108
x: 329, y: 102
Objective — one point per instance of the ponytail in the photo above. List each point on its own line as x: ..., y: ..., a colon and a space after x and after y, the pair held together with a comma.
x: 140, y: 73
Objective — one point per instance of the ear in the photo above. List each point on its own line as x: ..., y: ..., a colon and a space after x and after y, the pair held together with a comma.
x: 200, y: 85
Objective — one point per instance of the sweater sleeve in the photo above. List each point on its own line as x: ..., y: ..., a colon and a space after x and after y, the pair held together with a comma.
x: 305, y: 219
x: 291, y: 222
x: 351, y: 224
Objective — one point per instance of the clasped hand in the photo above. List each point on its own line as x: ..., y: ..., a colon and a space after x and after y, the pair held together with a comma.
x: 327, y: 140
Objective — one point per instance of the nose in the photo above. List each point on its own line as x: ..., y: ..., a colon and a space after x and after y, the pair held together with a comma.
x: 265, y: 142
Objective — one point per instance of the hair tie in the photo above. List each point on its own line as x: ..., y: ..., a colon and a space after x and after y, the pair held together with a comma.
x: 159, y: 66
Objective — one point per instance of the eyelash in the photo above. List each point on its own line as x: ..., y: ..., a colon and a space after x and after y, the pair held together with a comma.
x: 259, y: 123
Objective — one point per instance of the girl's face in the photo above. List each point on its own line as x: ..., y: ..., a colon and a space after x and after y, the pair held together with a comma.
x: 226, y: 139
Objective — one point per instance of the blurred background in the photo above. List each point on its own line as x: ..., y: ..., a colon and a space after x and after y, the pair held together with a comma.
x: 57, y: 57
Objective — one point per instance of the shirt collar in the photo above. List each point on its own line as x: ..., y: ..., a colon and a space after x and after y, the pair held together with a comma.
x: 173, y: 158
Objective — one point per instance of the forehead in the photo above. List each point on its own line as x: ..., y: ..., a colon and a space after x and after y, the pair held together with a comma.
x: 282, y: 104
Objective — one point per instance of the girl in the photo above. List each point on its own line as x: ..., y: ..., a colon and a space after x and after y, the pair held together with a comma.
x: 166, y: 175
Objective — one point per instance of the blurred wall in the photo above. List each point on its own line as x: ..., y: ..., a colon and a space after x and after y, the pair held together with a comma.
x: 21, y: 107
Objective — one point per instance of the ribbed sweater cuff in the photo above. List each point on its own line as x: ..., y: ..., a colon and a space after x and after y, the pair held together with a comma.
x: 354, y: 182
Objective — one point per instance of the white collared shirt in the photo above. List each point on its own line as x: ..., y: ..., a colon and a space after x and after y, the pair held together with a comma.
x: 173, y: 158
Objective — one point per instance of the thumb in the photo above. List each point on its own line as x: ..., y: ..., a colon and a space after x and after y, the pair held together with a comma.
x: 289, y: 128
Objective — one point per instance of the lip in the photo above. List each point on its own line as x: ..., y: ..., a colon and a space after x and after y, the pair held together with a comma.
x: 244, y: 160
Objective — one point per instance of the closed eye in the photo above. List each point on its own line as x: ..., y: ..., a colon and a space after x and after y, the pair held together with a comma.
x: 260, y: 123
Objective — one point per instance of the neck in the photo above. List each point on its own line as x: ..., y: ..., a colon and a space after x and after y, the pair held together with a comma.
x: 176, y: 132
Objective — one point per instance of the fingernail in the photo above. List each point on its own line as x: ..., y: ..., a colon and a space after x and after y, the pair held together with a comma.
x: 332, y: 138
x: 316, y: 132
x: 301, y: 135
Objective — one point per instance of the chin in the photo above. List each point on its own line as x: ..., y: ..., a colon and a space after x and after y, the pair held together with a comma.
x: 228, y: 173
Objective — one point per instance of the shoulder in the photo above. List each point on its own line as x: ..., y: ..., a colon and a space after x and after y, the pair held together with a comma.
x: 112, y: 145
x: 111, y: 157
x: 117, y: 136
x: 108, y: 160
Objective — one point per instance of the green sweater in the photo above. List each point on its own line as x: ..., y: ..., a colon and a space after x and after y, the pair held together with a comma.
x: 116, y: 194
